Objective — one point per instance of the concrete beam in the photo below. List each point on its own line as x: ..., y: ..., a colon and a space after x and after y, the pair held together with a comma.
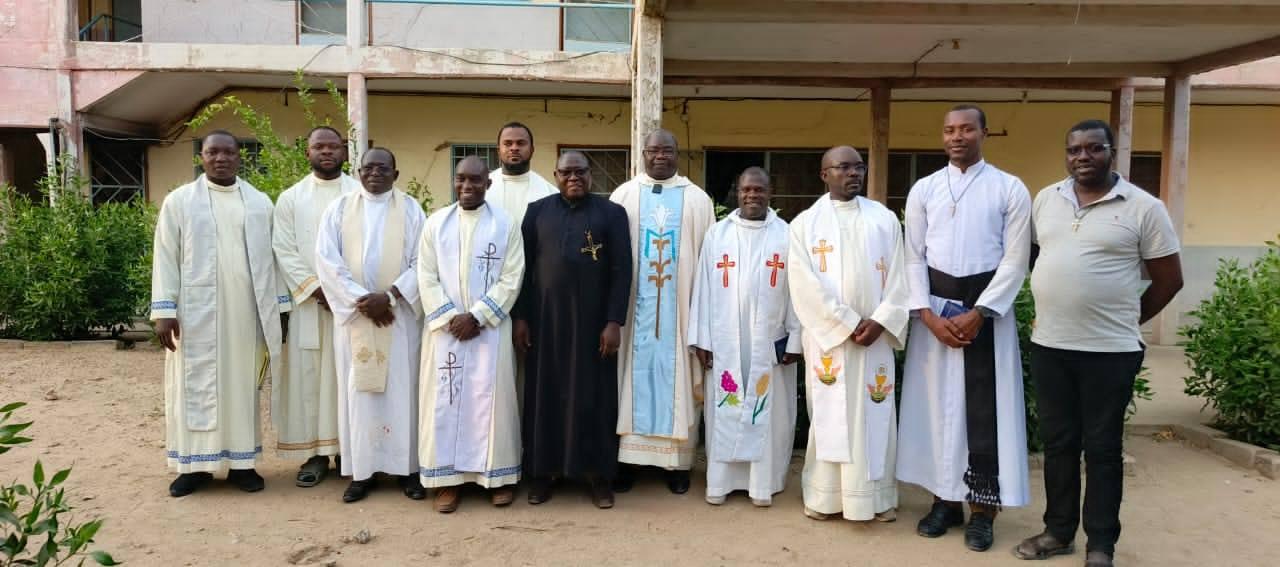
x: 1227, y: 57
x: 973, y: 14
x: 1122, y: 125
x: 920, y: 83
x: 372, y: 61
x: 878, y: 155
x: 646, y: 85
x: 711, y: 68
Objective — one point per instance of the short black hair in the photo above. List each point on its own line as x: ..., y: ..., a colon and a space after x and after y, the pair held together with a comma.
x: 325, y: 127
x: 756, y: 170
x: 516, y: 125
x: 982, y: 116
x: 389, y: 152
x: 1095, y: 124
x: 219, y: 132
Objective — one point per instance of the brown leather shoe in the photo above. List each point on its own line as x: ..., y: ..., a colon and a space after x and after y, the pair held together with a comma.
x: 502, y: 495
x: 447, y: 499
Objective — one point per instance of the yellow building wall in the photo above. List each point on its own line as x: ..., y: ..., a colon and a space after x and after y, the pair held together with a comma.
x: 1232, y: 199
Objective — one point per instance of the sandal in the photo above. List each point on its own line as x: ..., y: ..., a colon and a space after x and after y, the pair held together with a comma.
x: 312, y: 472
x: 1042, y: 546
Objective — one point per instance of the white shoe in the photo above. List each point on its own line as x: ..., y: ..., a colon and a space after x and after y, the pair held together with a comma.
x: 715, y: 500
x: 816, y: 515
x: 762, y: 502
x: 887, y: 516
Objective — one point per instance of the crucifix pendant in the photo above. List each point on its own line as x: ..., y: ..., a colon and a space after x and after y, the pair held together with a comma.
x: 1075, y: 225
x: 592, y: 248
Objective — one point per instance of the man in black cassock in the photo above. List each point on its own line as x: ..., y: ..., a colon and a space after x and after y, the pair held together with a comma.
x: 574, y: 300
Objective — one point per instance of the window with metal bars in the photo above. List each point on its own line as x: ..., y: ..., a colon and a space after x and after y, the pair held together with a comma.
x: 609, y: 166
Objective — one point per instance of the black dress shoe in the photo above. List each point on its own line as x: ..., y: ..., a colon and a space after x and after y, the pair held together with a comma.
x: 979, y: 533
x: 678, y: 481
x: 188, y: 482
x: 939, y: 519
x: 357, y: 490
x: 625, y: 479
x: 412, y: 487
x: 601, y: 495
x: 539, y: 491
x: 247, y: 480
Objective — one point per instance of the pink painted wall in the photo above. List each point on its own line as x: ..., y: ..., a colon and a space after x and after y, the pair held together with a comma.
x: 28, y: 97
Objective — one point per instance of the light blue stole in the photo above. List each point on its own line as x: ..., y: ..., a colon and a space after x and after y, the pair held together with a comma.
x: 653, y: 360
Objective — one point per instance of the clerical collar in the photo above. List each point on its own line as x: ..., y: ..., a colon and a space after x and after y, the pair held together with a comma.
x: 472, y: 212
x: 851, y: 204
x: 977, y: 167
x: 519, y: 177
x: 674, y: 181
x: 378, y: 197
x: 216, y: 187
x: 737, y: 219
x: 335, y: 182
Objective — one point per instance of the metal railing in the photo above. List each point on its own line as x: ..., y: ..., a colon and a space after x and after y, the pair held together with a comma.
x: 116, y: 29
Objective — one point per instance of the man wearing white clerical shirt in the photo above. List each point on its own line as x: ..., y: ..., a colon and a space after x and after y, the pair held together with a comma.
x: 963, y: 429
x: 515, y: 185
x: 470, y: 270
x: 849, y: 290
x: 658, y: 377
x: 216, y: 301
x: 366, y: 258
x: 304, y: 397
x: 746, y: 336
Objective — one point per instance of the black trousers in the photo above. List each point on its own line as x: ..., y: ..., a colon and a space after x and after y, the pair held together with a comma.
x: 1082, y: 397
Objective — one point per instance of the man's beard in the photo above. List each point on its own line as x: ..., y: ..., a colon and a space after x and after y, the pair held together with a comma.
x: 327, y: 172
x: 520, y: 168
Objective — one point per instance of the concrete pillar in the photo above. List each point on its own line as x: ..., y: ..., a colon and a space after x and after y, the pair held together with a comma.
x: 1173, y: 182
x: 8, y: 176
x: 646, y: 84
x: 878, y: 156
x: 357, y: 92
x: 65, y: 27
x: 1122, y: 124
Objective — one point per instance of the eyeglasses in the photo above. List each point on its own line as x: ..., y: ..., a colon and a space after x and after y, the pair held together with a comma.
x: 860, y: 168
x: 571, y: 173
x: 1091, y: 148
x: 669, y: 152
x: 383, y: 169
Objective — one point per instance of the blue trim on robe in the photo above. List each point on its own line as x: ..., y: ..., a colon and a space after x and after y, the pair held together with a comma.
x: 450, y: 471
x: 213, y: 457
x: 497, y: 310
x: 282, y: 299
x: 432, y: 316
x: 164, y: 304
x: 653, y: 361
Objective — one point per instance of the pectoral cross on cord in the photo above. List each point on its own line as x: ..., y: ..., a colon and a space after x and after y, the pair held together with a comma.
x: 591, y: 248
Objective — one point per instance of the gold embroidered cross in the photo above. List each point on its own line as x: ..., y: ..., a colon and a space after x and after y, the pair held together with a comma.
x: 884, y: 271
x: 822, y: 249
x: 591, y: 248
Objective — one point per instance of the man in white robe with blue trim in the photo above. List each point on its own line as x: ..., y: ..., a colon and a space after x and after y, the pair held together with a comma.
x: 747, y: 338
x: 216, y: 301
x: 849, y: 290
x: 304, y: 397
x: 366, y: 257
x: 470, y: 270
x: 659, y: 380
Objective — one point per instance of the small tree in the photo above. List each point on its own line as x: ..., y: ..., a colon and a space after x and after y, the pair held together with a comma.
x: 1234, y: 349
x: 29, y: 512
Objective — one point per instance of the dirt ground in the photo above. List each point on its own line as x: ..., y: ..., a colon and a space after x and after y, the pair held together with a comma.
x: 100, y: 410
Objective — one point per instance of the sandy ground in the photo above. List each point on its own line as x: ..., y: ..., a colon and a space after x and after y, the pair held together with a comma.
x: 1182, y: 506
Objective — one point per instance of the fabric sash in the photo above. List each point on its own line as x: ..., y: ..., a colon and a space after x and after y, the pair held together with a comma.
x: 653, y: 362
x: 199, y: 300
x: 831, y: 389
x: 983, y: 476
x: 371, y: 344
x: 742, y: 401
x: 307, y: 211
x: 466, y: 371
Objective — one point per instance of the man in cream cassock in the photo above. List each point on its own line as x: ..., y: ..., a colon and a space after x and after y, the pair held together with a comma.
x: 849, y: 290
x: 657, y: 375
x: 366, y: 257
x: 515, y: 185
x: 304, y: 397
x: 745, y: 334
x: 963, y: 423
x: 470, y: 270
x: 216, y: 301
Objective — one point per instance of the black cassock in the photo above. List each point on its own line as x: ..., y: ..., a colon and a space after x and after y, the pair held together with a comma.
x: 577, y: 278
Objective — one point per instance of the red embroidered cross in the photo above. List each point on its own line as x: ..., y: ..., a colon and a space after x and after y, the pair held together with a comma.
x: 725, y: 264
x: 776, y: 264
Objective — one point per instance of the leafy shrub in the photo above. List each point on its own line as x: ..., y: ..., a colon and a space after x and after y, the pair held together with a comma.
x: 1234, y: 349
x: 28, y: 512
x: 69, y: 268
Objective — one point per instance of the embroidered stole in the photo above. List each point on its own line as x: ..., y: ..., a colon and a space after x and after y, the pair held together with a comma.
x: 199, y: 297
x: 308, y: 208
x: 655, y: 346
x: 371, y: 344
x: 467, y: 370
x: 742, y: 399
x: 831, y: 389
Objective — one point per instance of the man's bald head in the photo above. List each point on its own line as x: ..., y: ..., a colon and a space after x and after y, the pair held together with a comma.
x: 754, y: 192
x: 471, y: 182
x: 378, y: 170
x: 660, y: 151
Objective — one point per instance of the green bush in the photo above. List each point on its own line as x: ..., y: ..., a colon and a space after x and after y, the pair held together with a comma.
x: 68, y: 268
x: 29, y: 512
x: 1234, y: 349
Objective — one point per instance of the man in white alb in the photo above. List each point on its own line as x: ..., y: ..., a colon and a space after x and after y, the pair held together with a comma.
x: 515, y: 185
x: 963, y: 429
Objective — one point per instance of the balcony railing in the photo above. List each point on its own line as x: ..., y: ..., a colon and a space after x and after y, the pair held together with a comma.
x: 105, y: 27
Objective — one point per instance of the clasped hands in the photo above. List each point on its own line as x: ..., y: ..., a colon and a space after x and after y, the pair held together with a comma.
x: 377, y: 306
x: 955, y: 332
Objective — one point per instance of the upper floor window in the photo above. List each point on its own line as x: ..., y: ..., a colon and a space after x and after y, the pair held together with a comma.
x: 110, y: 20
x: 598, y: 28
x: 322, y: 22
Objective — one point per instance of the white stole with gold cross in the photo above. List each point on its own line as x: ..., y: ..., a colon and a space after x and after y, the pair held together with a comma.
x: 371, y: 344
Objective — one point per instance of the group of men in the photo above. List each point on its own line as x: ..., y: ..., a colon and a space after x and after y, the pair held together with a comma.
x: 546, y: 332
